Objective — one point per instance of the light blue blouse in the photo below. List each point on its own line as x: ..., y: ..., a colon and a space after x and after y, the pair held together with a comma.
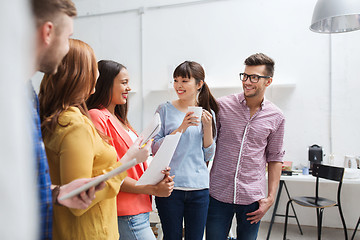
x: 189, y: 160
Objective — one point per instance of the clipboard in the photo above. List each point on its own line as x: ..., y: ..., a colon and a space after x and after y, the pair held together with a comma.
x: 153, y: 175
x: 150, y: 131
x: 100, y: 179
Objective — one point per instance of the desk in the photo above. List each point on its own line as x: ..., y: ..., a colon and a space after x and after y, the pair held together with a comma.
x: 274, y: 214
x: 311, y: 178
x: 298, y: 178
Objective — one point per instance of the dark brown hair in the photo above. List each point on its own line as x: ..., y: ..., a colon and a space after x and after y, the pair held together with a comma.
x: 205, y: 99
x: 70, y: 86
x: 104, y: 90
x: 49, y: 10
x: 261, y: 59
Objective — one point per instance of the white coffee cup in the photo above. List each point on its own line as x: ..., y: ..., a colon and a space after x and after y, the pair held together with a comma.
x: 197, y: 112
x: 350, y: 161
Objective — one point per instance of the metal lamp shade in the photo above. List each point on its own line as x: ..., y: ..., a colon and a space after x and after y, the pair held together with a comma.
x: 336, y: 16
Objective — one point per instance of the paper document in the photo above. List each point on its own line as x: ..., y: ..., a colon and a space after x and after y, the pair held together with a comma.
x: 151, y: 130
x: 162, y: 159
x: 100, y: 179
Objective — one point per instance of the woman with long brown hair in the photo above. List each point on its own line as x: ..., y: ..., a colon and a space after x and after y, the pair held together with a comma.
x: 75, y: 149
x: 108, y: 108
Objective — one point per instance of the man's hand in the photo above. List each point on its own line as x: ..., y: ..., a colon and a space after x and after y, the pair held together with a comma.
x: 84, y: 199
x: 264, y: 205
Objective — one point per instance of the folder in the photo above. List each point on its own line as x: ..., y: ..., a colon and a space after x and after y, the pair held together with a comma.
x: 153, y: 175
x: 150, y: 131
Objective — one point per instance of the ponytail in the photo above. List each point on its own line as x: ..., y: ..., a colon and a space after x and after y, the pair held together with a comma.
x: 207, y: 101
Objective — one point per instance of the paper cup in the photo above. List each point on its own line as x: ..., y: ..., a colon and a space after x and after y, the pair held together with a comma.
x: 197, y: 112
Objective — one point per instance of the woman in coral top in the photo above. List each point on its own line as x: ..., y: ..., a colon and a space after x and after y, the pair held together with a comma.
x: 76, y: 150
x: 108, y: 110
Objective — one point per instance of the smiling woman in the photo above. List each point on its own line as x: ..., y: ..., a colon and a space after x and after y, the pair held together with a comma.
x: 108, y: 110
x: 75, y: 149
x: 190, y: 199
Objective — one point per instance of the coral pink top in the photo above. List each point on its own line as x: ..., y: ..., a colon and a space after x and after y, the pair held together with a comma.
x: 127, y: 203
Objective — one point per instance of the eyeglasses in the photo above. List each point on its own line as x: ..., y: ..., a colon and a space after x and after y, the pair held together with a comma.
x: 253, y: 78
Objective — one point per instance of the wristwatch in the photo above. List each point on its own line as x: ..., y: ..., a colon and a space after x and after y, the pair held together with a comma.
x: 55, y: 193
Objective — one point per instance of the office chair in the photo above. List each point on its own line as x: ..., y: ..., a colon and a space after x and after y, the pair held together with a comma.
x: 320, y: 203
x: 357, y: 225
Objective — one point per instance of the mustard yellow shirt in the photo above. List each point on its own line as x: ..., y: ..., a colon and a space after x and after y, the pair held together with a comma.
x: 77, y: 151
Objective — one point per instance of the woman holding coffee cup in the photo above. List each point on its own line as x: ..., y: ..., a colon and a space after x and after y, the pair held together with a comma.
x: 190, y: 198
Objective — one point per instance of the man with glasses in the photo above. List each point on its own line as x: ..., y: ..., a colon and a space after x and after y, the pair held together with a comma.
x: 250, y: 135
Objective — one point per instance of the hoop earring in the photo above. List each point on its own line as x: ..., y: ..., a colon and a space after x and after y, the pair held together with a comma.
x: 198, y: 94
x: 197, y: 98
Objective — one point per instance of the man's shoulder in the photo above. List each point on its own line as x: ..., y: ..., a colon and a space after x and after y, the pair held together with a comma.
x: 274, y: 109
x: 229, y: 99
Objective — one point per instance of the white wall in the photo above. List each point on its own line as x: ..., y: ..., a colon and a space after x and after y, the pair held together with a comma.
x: 152, y: 37
x: 220, y: 35
x: 19, y: 195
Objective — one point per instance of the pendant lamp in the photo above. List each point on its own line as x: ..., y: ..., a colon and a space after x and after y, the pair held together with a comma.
x: 336, y: 16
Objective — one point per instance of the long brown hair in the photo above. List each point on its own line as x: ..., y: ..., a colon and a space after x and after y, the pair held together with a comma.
x: 205, y: 99
x: 70, y: 86
x: 102, y: 97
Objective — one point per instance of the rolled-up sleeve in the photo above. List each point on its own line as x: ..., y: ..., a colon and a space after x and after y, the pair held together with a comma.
x: 274, y: 149
x: 209, y: 152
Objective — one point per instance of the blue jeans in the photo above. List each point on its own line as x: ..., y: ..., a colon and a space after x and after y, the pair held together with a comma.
x: 191, y: 206
x: 220, y: 216
x: 135, y: 227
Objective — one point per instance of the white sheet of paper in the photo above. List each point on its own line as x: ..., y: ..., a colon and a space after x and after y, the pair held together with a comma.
x: 151, y: 130
x: 100, y: 179
x: 162, y: 159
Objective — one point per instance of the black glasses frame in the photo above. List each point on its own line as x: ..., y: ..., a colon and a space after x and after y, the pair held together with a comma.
x: 253, y: 78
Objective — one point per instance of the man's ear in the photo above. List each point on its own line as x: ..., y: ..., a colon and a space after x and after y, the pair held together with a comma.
x: 46, y: 32
x: 268, y: 81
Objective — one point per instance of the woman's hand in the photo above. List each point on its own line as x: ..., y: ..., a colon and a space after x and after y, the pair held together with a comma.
x: 165, y: 186
x: 189, y: 120
x: 206, y: 119
x: 141, y: 153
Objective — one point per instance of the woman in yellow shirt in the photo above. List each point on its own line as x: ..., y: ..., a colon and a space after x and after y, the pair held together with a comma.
x: 76, y: 150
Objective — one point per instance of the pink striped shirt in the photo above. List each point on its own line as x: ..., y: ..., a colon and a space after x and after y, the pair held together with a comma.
x: 244, y: 145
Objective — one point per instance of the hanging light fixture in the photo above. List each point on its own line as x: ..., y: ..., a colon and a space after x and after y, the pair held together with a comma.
x: 336, y: 16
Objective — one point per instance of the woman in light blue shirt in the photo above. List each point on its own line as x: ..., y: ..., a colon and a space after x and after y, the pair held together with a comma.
x: 190, y: 198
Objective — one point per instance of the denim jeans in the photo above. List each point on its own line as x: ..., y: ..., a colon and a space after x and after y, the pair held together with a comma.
x: 191, y: 206
x: 135, y: 227
x: 220, y: 216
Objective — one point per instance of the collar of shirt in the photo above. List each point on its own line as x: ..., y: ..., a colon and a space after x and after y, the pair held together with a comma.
x: 242, y: 100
